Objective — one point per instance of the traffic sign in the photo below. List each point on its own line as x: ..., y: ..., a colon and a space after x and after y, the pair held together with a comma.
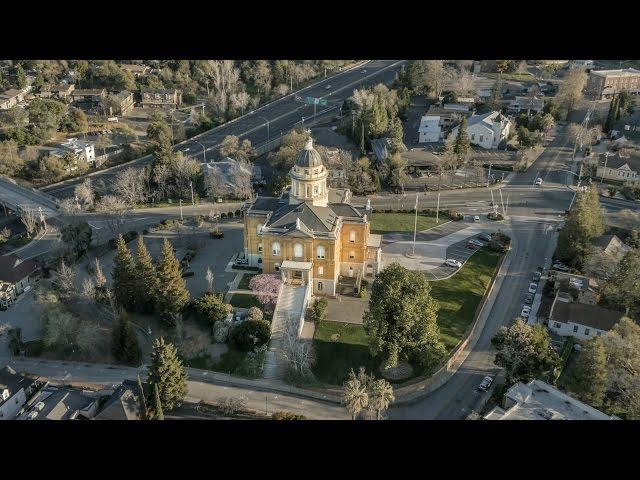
x: 316, y: 101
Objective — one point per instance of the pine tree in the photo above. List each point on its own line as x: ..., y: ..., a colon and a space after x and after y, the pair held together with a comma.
x: 158, y: 413
x: 131, y: 352
x: 167, y: 374
x: 462, y: 145
x: 144, y: 413
x: 590, y: 373
x: 611, y: 115
x: 117, y: 346
x: 124, y: 276
x: 146, y: 279
x: 21, y: 78
x: 396, y: 134
x: 172, y: 294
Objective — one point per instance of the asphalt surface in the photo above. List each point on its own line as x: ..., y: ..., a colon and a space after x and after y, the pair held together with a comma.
x: 282, y: 115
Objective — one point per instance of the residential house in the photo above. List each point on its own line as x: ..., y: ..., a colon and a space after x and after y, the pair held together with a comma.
x: 584, y: 288
x: 60, y: 403
x: 381, y: 149
x: 604, y: 84
x: 7, y: 295
x: 136, y: 70
x: 538, y: 400
x: 124, y: 404
x: 15, y: 390
x: 612, y: 246
x: 418, y: 160
x: 488, y: 130
x: 580, y: 320
x: 159, y: 98
x: 11, y: 98
x: 430, y: 130
x: 449, y: 117
x: 17, y: 272
x: 528, y: 105
x: 90, y: 97
x: 620, y: 167
x: 80, y: 149
x: 581, y: 64
x: 124, y: 102
x: 62, y: 91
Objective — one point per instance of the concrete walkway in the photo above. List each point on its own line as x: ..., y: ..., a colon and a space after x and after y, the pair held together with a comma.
x: 288, y: 308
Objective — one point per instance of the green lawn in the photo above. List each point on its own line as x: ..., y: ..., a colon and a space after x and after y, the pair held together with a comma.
x: 400, y: 222
x: 244, y: 282
x: 244, y: 300
x: 339, y: 348
x: 516, y: 77
x: 460, y: 295
x: 228, y: 363
x: 342, y: 346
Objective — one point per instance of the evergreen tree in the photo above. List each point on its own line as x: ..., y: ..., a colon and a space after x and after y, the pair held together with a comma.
x: 617, y: 108
x: 131, y: 352
x: 21, y: 78
x: 144, y: 413
x: 117, y: 346
x: 146, y: 279
x: 124, y: 275
x: 611, y: 115
x: 172, y: 294
x: 396, y: 135
x: 379, y: 120
x: 462, y: 145
x: 589, y: 380
x: 158, y: 413
x: 167, y: 374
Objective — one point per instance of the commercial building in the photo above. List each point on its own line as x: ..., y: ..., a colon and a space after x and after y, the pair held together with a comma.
x: 604, y: 84
x: 538, y: 400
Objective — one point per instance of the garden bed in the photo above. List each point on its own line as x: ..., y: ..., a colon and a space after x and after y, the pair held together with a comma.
x: 244, y: 300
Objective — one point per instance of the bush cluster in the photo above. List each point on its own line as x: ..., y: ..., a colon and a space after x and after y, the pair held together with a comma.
x: 250, y: 334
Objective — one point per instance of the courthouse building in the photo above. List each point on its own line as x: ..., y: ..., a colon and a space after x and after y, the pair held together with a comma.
x: 312, y: 233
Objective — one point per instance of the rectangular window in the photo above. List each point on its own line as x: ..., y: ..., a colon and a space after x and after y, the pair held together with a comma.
x: 352, y: 255
x: 586, y: 331
x: 575, y: 328
x: 481, y: 138
x: 260, y: 247
x: 557, y: 325
x: 320, y: 271
x: 473, y: 137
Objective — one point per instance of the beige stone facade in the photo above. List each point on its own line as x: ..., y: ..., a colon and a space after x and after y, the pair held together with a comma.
x: 312, y: 225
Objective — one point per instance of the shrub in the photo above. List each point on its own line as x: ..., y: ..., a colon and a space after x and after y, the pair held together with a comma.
x: 363, y: 291
x: 221, y: 331
x: 497, y: 246
x: 251, y: 334
x: 287, y: 416
x: 232, y: 405
x: 495, y: 216
x: 238, y: 213
x: 210, y: 308
x: 255, y: 313
x: 216, y: 235
x: 319, y: 309
x: 223, y: 215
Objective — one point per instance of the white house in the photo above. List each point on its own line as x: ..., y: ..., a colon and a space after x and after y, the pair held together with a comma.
x: 487, y: 130
x: 81, y: 149
x: 622, y: 168
x: 429, y: 130
x: 580, y: 320
x: 15, y: 389
x: 17, y: 272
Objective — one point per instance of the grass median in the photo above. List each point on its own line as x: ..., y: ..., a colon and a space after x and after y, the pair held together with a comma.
x: 401, y: 222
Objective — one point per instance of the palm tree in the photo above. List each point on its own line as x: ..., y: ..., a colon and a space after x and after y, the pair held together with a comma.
x: 381, y: 396
x: 355, y: 395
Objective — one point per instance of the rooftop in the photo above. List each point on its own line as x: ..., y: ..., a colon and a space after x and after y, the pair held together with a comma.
x: 13, y: 269
x: 538, y: 400
x: 620, y: 72
x: 13, y: 381
x: 592, y: 316
x: 124, y: 404
x: 611, y: 245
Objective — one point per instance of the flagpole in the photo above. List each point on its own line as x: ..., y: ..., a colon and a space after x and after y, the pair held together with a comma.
x: 415, y: 227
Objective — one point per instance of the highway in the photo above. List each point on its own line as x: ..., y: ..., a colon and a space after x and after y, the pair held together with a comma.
x: 267, y: 122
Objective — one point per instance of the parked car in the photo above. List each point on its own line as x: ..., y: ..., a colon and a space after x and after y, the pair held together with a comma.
x: 538, y: 181
x: 476, y: 218
x: 528, y: 299
x: 533, y: 287
x: 560, y: 266
x: 537, y: 276
x: 472, y: 246
x: 526, y: 310
x: 478, y: 243
x: 486, y: 383
x: 484, y: 236
x: 453, y: 263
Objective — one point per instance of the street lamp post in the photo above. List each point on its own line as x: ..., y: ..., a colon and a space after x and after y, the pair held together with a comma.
x: 266, y: 120
x: 204, y: 151
x: 191, y: 186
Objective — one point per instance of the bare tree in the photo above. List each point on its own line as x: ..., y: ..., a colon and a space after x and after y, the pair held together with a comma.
x: 88, y: 289
x: 97, y: 273
x: 29, y: 219
x: 185, y: 171
x: 84, y: 195
x: 209, y: 278
x: 115, y: 210
x: 65, y: 282
x: 129, y: 185
x: 215, y: 183
x: 161, y: 176
x: 240, y: 180
x: 299, y: 354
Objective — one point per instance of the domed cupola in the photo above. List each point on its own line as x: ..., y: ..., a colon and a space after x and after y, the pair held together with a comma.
x: 309, y: 156
x: 309, y: 177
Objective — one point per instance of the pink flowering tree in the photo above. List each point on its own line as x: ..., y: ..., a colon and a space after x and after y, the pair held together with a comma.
x: 266, y: 287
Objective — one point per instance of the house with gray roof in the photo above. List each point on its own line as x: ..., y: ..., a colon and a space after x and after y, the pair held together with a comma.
x: 15, y: 390
x: 488, y: 130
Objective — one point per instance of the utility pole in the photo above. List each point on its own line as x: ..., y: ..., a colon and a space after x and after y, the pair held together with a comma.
x: 502, y: 203
x: 489, y: 175
x: 438, y: 208
x: 415, y: 227
x: 181, y: 210
x: 606, y: 157
x: 191, y: 186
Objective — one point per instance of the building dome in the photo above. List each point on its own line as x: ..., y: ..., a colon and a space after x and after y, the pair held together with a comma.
x: 309, y: 156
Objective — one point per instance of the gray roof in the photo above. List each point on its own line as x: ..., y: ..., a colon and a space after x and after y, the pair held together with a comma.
x: 124, y: 404
x: 13, y: 381
x: 592, y: 316
x: 617, y: 161
x: 315, y: 218
x: 62, y: 404
x: 611, y: 244
x: 13, y: 269
x: 266, y: 204
x: 309, y: 156
x: 485, y: 118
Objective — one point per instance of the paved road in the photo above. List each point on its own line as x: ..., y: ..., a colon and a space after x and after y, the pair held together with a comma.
x: 13, y: 195
x: 282, y: 116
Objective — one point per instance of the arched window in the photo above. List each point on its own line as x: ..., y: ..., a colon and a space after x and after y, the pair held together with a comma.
x: 297, y: 250
x: 320, y: 251
x: 352, y: 236
x: 352, y: 255
x: 319, y: 285
x: 275, y: 248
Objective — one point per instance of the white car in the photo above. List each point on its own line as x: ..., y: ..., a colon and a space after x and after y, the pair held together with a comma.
x: 475, y: 242
x: 476, y: 218
x: 453, y: 263
x: 538, y: 181
x: 328, y: 87
x: 533, y: 287
x: 526, y: 310
x: 486, y: 383
x: 560, y: 266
